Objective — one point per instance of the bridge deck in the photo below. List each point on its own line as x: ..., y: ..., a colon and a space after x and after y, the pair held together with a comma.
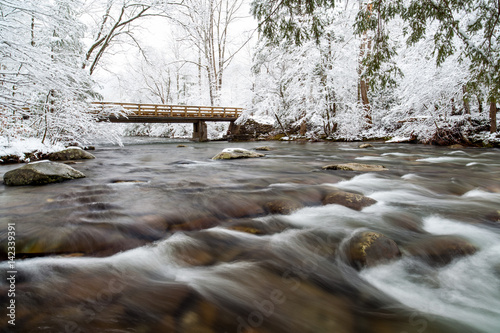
x: 159, y: 113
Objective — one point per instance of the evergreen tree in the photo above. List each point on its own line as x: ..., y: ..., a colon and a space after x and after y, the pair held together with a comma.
x: 469, y: 28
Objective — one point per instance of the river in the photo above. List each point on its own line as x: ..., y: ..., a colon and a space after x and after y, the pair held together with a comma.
x: 161, y: 238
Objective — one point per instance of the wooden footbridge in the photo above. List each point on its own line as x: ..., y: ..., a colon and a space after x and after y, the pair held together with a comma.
x: 159, y: 113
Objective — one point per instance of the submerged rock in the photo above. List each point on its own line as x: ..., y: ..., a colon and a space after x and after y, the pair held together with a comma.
x: 440, y: 250
x: 365, y: 145
x: 233, y: 153
x: 255, y: 227
x: 368, y: 248
x: 347, y: 199
x: 282, y: 206
x: 264, y: 148
x: 355, y: 167
x: 73, y: 153
x: 41, y: 173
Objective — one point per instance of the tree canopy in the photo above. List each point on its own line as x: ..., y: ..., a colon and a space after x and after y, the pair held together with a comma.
x: 467, y: 29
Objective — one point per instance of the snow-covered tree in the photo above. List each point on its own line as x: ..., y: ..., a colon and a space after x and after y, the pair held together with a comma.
x: 114, y: 22
x: 208, y: 25
x: 316, y: 81
x: 44, y: 92
x: 424, y: 61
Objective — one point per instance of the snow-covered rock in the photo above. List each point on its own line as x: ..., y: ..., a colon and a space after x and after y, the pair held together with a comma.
x: 400, y: 139
x: 73, y: 153
x: 40, y: 173
x: 232, y: 153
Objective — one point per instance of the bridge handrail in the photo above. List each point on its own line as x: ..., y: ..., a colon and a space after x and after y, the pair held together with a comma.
x: 165, y: 110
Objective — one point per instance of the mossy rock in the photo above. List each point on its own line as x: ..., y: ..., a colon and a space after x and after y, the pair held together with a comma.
x: 347, y: 199
x: 369, y: 248
x: 355, y: 167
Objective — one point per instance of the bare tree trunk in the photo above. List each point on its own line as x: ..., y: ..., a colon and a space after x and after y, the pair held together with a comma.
x: 466, y: 100
x: 208, y: 30
x: 493, y: 116
x: 210, y: 86
x: 199, y: 70
x: 363, y: 84
x: 107, y: 35
x: 281, y: 125
x: 33, y: 30
x: 364, y: 99
x: 453, y: 107
x: 168, y: 98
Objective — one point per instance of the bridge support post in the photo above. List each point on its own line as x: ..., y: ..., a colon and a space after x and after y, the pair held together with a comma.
x: 233, y: 129
x: 200, y: 131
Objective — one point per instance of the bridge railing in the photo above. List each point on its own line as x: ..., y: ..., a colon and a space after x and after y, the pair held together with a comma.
x: 174, y: 111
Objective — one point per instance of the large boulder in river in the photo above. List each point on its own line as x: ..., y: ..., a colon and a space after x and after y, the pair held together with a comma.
x: 347, y: 199
x: 72, y: 153
x: 232, y: 153
x: 440, y: 250
x: 368, y: 249
x: 40, y: 173
x: 355, y: 167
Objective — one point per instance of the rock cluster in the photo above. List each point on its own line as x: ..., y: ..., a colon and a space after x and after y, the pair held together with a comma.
x: 250, y: 131
x: 46, y: 171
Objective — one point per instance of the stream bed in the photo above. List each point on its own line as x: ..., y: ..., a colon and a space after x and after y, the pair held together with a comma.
x: 161, y: 238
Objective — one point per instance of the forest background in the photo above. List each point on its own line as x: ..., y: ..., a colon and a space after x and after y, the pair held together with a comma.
x: 424, y: 71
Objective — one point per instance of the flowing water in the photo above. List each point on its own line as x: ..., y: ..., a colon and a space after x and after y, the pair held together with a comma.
x: 160, y: 238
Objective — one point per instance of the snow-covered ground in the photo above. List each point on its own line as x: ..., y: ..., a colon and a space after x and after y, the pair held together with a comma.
x: 18, y: 147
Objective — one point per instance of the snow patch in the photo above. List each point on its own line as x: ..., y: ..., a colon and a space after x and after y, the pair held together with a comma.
x: 19, y: 147
x: 398, y: 139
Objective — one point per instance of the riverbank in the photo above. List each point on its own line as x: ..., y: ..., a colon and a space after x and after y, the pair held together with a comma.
x: 25, y: 150
x: 466, y: 131
x: 458, y: 133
